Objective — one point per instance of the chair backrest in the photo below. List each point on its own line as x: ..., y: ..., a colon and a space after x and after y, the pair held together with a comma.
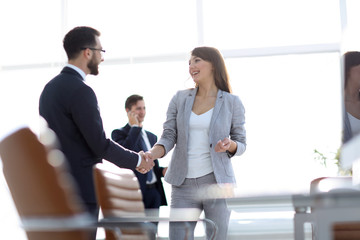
x: 119, y: 195
x: 41, y: 186
x: 331, y: 184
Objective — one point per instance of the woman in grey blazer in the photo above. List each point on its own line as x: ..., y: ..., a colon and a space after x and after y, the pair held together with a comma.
x: 206, y: 126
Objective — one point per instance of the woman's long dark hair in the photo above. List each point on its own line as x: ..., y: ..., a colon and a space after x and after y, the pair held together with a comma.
x: 214, y: 56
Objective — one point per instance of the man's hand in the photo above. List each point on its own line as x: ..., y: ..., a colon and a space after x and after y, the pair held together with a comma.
x: 133, y: 118
x: 146, y: 164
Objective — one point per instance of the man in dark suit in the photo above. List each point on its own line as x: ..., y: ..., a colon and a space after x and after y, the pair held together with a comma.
x: 71, y: 110
x: 134, y: 137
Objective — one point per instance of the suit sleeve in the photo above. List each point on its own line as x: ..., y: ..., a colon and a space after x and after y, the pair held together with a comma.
x: 127, y: 139
x: 86, y: 115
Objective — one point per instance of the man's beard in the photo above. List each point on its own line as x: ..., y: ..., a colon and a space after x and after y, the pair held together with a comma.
x: 93, y: 66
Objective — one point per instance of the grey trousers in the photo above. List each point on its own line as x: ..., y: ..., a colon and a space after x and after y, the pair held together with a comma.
x: 184, y: 196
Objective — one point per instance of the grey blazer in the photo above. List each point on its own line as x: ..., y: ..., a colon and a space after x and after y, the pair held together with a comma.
x: 227, y: 121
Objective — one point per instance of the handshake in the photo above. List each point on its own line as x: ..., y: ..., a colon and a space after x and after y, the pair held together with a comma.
x: 147, y: 162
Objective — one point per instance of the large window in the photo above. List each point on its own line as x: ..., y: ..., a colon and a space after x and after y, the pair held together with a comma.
x: 282, y: 57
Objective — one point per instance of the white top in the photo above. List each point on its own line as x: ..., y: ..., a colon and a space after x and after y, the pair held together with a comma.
x: 199, y: 160
x: 355, y: 124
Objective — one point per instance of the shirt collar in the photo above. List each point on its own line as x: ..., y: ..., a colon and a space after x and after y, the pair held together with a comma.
x: 81, y: 72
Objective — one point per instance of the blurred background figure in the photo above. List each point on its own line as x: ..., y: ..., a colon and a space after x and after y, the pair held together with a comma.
x: 133, y: 136
x: 351, y: 95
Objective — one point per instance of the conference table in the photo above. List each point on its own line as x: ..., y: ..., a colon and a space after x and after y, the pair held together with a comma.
x: 261, y: 216
x: 284, y: 216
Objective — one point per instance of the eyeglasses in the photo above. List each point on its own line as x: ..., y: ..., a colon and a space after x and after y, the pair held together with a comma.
x: 94, y: 49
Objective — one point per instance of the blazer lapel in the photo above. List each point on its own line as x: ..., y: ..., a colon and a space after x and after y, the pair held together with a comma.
x: 189, y: 102
x: 218, y: 105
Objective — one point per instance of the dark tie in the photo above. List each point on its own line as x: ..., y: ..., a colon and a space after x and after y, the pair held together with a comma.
x: 149, y: 174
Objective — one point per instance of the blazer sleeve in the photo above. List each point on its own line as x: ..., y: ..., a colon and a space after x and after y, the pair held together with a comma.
x: 157, y: 168
x: 237, y: 131
x: 169, y: 134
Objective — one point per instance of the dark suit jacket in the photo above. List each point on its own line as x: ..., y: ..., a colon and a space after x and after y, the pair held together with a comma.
x: 71, y: 110
x: 129, y: 137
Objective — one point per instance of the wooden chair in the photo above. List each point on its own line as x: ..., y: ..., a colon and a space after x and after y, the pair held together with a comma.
x: 42, y: 189
x: 44, y: 192
x: 119, y: 196
x: 331, y: 184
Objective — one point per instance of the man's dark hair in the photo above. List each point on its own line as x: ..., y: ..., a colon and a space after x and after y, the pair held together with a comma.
x: 78, y: 38
x: 132, y: 100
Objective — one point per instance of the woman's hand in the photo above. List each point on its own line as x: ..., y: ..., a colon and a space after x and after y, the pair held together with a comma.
x: 155, y: 152
x: 164, y: 171
x: 223, y: 145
